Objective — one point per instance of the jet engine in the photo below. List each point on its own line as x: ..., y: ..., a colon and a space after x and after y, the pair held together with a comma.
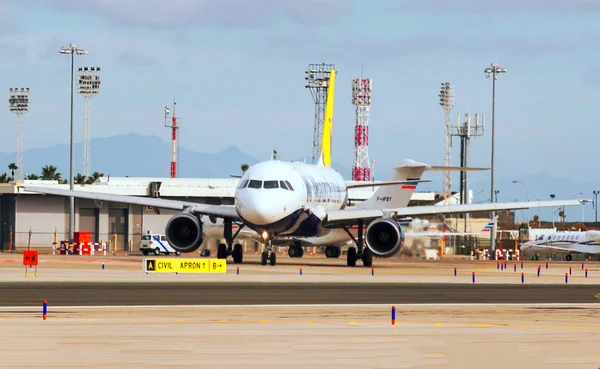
x: 185, y: 232
x: 384, y: 237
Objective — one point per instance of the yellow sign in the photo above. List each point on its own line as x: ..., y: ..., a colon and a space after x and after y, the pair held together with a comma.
x: 164, y: 265
x: 160, y: 265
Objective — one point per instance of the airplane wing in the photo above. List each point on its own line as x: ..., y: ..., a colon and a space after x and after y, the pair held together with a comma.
x: 350, y: 215
x: 485, y: 230
x: 223, y: 211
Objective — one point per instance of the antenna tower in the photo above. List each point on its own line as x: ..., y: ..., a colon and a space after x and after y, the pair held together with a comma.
x: 361, y: 98
x: 465, y: 131
x: 317, y: 81
x: 447, y: 102
x: 88, y: 87
x: 18, y: 103
x: 174, y: 127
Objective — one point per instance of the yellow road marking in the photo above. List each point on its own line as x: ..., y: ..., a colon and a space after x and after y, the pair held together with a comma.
x: 352, y: 323
x: 597, y: 296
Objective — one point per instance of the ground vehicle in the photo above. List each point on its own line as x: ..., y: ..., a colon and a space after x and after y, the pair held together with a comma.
x: 157, y: 244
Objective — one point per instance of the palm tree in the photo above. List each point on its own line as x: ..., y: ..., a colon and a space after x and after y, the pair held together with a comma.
x: 12, y: 167
x: 94, y: 177
x: 32, y: 177
x: 536, y: 219
x: 562, y: 215
x: 3, y: 178
x: 79, y: 179
x: 244, y: 167
x: 50, y: 173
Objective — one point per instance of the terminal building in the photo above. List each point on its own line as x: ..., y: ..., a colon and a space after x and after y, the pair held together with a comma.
x: 36, y: 220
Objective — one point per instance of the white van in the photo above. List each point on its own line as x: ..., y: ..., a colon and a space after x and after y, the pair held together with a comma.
x: 157, y: 244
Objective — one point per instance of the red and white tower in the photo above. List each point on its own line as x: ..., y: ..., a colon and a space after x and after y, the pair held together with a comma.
x: 361, y: 98
x: 174, y: 128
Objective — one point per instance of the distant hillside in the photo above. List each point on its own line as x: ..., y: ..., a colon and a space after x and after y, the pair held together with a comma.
x: 136, y: 155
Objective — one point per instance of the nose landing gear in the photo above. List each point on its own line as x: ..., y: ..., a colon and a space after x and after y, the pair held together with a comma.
x: 268, y: 255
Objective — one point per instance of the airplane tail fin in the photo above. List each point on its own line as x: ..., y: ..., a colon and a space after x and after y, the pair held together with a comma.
x: 490, y: 226
x: 325, y: 159
x: 396, y: 196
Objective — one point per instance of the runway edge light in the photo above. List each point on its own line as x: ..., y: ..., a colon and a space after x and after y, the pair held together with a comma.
x: 44, y: 310
x: 393, y: 314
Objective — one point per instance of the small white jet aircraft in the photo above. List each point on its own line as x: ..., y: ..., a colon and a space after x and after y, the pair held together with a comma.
x: 276, y: 198
x: 587, y: 243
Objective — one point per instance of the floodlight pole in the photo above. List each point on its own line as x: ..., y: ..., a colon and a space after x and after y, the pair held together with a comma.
x: 72, y: 49
x: 493, y: 70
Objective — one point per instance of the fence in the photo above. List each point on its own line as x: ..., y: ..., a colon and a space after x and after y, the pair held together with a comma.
x: 51, y: 241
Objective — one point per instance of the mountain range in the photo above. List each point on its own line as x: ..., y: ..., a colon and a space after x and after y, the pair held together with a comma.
x: 136, y: 155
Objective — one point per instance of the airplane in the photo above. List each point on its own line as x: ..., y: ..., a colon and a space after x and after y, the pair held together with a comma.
x: 587, y: 243
x: 277, y: 198
x: 338, y: 238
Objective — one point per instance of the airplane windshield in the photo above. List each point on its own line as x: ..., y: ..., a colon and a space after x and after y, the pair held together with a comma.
x: 254, y: 184
x: 271, y: 184
x: 283, y: 185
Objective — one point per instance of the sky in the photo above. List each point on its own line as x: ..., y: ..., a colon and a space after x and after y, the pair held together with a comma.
x: 236, y: 69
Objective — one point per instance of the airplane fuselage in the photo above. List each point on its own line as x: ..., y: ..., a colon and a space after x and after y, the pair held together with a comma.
x: 289, y: 199
x: 570, y: 242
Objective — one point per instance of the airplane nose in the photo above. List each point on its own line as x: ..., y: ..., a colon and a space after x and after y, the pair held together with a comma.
x: 263, y: 210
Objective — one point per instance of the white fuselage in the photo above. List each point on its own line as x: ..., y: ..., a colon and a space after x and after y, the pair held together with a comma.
x: 287, y: 198
x: 576, y: 242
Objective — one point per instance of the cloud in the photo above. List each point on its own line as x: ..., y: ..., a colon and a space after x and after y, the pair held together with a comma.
x: 135, y: 59
x: 385, y: 50
x: 496, y: 7
x: 170, y: 14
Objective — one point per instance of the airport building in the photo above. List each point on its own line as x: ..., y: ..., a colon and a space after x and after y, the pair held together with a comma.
x: 39, y: 220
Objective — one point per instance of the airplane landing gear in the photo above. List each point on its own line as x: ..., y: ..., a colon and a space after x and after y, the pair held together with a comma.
x: 358, y: 252
x: 295, y: 251
x: 367, y: 258
x: 268, y: 255
x: 238, y: 254
x: 222, y: 251
x: 227, y: 248
x: 333, y: 252
x: 351, y: 257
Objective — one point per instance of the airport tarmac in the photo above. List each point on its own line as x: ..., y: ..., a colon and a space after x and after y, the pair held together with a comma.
x: 424, y: 336
x: 442, y: 320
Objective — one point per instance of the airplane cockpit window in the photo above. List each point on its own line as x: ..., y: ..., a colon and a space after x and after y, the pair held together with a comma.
x: 254, y: 184
x: 243, y: 183
x: 271, y: 184
x: 283, y: 185
x: 289, y: 185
